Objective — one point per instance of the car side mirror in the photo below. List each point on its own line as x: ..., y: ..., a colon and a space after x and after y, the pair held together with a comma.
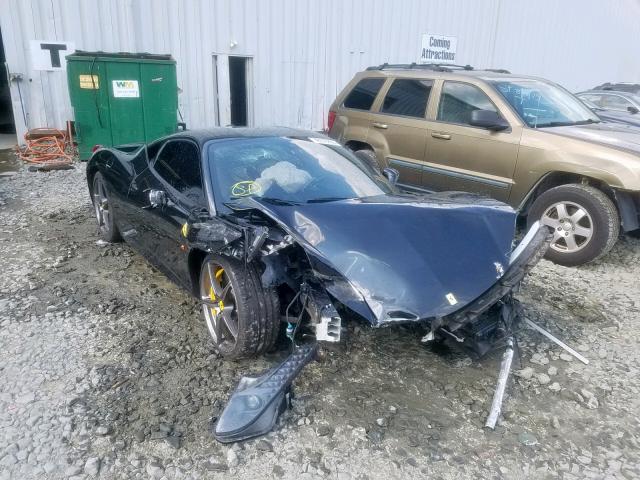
x: 488, y: 119
x: 157, y: 198
x: 391, y: 174
x: 633, y: 110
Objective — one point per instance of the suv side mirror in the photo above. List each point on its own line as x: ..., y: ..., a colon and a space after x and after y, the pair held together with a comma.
x: 488, y: 119
x: 633, y: 110
x: 391, y: 174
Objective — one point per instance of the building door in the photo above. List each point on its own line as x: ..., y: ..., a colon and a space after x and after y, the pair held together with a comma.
x: 233, y: 77
x: 7, y: 124
x: 238, y: 90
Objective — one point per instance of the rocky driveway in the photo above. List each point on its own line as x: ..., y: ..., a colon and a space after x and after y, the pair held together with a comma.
x: 106, y: 372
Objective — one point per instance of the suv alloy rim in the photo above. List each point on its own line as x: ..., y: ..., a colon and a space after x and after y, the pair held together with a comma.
x: 572, y: 226
x: 218, y: 303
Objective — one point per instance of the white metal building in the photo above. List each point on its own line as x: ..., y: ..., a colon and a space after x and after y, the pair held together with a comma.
x: 298, y: 54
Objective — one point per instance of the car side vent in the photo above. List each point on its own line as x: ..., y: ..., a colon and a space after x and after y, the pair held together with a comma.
x: 401, y: 315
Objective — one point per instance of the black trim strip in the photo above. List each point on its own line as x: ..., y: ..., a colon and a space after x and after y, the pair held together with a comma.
x: 443, y: 171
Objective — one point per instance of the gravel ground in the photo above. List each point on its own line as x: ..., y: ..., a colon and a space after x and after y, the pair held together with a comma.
x: 107, y: 371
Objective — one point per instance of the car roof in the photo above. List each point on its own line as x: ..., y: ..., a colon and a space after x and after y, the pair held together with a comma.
x: 201, y: 136
x: 616, y: 92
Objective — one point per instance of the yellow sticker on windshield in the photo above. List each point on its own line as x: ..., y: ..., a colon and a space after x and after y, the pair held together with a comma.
x: 245, y: 188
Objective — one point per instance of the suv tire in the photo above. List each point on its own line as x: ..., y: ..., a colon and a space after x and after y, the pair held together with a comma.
x: 242, y: 316
x: 370, y: 159
x: 584, y: 221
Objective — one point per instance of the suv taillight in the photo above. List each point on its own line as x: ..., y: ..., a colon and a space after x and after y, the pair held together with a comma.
x: 330, y: 120
x: 95, y: 147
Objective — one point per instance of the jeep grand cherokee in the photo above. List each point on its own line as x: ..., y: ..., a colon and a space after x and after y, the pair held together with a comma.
x: 519, y: 139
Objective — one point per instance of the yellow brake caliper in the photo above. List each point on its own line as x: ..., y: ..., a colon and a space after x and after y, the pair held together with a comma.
x: 212, y: 295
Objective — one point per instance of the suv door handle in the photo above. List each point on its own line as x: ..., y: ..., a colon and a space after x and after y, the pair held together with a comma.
x: 441, y: 136
x: 383, y: 126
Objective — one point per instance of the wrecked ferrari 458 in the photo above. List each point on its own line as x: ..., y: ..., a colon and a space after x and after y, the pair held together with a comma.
x: 285, y: 232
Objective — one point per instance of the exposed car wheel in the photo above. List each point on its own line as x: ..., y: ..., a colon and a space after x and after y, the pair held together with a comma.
x: 584, y: 221
x: 104, y: 213
x: 370, y: 159
x: 242, y: 316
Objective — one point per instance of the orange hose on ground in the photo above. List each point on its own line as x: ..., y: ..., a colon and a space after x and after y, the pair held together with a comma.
x: 52, y: 149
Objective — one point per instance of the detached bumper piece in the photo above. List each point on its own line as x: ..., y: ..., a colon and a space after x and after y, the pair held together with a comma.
x: 257, y: 402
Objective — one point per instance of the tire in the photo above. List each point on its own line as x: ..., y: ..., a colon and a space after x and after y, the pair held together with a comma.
x: 104, y: 213
x: 369, y: 158
x: 254, y: 316
x: 573, y: 208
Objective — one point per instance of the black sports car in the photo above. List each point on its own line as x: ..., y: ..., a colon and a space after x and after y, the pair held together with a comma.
x: 248, y: 219
x: 284, y: 230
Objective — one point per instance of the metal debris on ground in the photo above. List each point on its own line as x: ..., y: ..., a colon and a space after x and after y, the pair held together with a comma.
x: 547, y: 334
x: 505, y: 369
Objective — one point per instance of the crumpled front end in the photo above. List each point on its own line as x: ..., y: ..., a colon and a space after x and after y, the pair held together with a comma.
x: 402, y: 258
x: 448, y: 261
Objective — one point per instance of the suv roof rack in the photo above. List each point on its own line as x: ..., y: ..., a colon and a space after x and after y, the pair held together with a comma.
x: 438, y: 67
x: 496, y: 70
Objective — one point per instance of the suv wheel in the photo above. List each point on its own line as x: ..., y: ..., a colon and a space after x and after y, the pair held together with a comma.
x: 370, y: 159
x: 584, y: 221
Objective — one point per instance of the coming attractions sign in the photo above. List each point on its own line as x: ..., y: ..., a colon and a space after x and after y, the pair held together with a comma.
x: 438, y: 48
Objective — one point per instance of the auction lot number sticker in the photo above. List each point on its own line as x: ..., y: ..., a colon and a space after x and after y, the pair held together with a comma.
x: 125, y: 88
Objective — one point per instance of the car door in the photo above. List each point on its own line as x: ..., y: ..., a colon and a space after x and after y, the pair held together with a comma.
x: 399, y: 127
x: 464, y: 157
x: 176, y: 171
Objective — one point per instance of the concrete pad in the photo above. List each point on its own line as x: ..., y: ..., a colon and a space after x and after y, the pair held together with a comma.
x: 7, y: 140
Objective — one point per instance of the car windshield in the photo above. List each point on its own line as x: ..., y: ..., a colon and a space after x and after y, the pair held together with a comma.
x: 289, y: 170
x: 543, y: 104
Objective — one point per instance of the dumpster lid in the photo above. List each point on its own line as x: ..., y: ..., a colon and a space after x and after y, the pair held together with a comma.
x: 128, y: 55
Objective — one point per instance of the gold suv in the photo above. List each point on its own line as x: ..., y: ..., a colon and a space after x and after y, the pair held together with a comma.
x: 523, y: 140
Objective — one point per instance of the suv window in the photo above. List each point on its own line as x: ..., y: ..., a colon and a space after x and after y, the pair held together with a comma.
x: 458, y: 100
x: 407, y: 97
x: 363, y: 94
x: 178, y: 163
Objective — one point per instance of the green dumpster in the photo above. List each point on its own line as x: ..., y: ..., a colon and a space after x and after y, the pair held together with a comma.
x: 121, y: 98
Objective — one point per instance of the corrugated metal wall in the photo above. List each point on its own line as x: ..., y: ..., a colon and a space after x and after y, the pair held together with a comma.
x: 304, y: 51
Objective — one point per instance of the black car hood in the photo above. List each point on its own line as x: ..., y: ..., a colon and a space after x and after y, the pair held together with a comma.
x: 407, y: 257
